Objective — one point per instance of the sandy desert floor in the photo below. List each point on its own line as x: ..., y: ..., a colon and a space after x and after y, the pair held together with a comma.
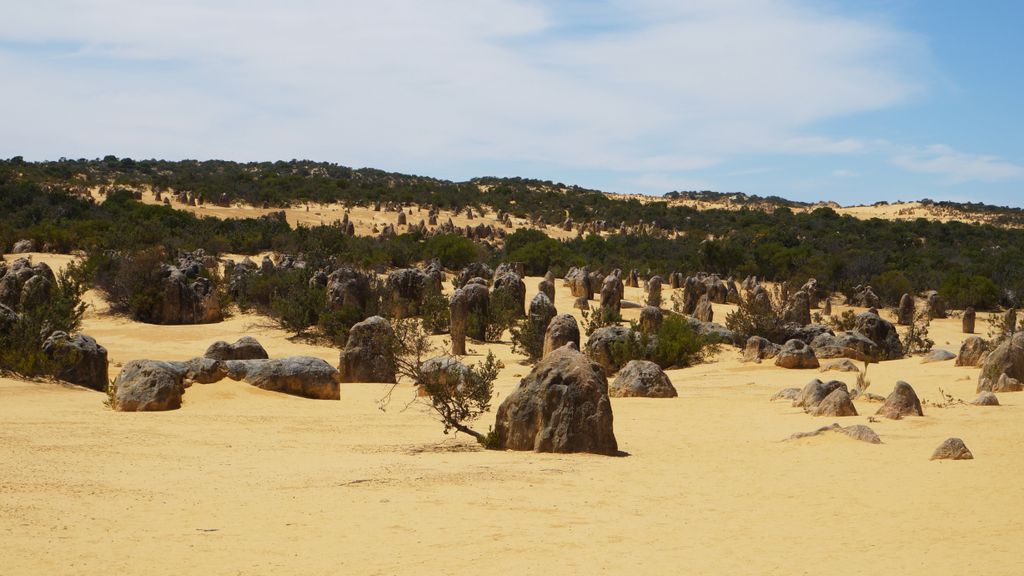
x: 244, y: 481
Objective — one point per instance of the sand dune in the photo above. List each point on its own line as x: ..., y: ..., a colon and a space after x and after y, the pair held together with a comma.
x: 244, y: 481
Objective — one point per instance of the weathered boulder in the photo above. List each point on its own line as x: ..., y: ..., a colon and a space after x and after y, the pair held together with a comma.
x: 458, y: 314
x: 641, y: 378
x: 882, y: 333
x: 836, y: 404
x: 369, y: 352
x: 611, y: 294
x: 815, y: 391
x: 478, y: 301
x: 297, y: 375
x: 938, y: 355
x: 936, y: 305
x: 813, y: 291
x: 148, y: 386
x: 986, y: 399
x: 22, y: 247
x: 758, y: 348
x: 845, y: 345
x: 650, y: 319
x: 795, y: 354
x: 79, y: 359
x: 547, y: 287
x: 405, y: 290
x: 561, y: 330
x: 1007, y: 358
x: 902, y: 401
x: 785, y: 394
x: 864, y: 297
x: 561, y: 406
x: 798, y: 309
x: 826, y: 309
x: 844, y: 365
x: 23, y: 284
x: 968, y: 321
x: 245, y: 348
x: 654, y: 291
x: 601, y: 345
x: 442, y: 374
x: 952, y: 449
x: 182, y: 302
x: 509, y: 294
x: 1003, y: 383
x: 972, y: 352
x: 474, y: 270
x: 579, y: 283
x: 856, y: 431
x: 348, y: 288
x: 905, y: 312
x: 704, y: 312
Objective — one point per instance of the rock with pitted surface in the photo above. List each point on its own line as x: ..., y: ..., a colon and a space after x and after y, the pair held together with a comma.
x: 509, y: 293
x: 474, y: 270
x: 952, y: 449
x: 562, y: 330
x: 972, y: 352
x: 1004, y: 383
x: 758, y: 348
x: 478, y: 301
x: 297, y: 375
x: 902, y: 401
x: 813, y: 292
x: 245, y: 348
x: 148, y: 386
x: 601, y: 345
x: 640, y: 378
x: 798, y: 309
x: 650, y: 320
x: 795, y: 354
x: 78, y: 359
x: 611, y: 294
x: 561, y: 406
x: 882, y: 333
x: 1007, y: 358
x: 369, y: 352
x: 836, y: 404
x: 24, y: 284
x: 405, y: 290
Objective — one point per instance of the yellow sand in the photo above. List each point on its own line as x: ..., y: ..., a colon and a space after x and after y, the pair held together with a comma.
x: 243, y: 481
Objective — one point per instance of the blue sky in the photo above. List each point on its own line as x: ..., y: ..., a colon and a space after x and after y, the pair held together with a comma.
x: 848, y: 101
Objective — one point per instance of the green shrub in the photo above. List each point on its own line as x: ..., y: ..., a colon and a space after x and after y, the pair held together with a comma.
x: 961, y: 290
x: 891, y: 286
x: 676, y: 345
x: 597, y: 318
x: 453, y: 251
x: 528, y: 339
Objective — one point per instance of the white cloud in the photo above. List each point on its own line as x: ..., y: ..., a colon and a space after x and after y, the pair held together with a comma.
x: 957, y: 167
x: 434, y: 86
x: 844, y: 173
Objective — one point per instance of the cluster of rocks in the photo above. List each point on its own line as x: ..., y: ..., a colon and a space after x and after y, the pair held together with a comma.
x: 77, y: 358
x: 872, y: 339
x: 155, y: 385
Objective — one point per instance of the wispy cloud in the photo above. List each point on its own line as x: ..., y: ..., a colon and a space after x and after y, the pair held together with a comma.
x: 649, y: 87
x: 957, y: 167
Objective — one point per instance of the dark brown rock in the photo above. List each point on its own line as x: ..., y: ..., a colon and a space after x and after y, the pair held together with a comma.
x: 369, y: 352
x: 952, y: 449
x: 795, y: 354
x: 640, y: 378
x: 561, y: 406
x: 901, y: 402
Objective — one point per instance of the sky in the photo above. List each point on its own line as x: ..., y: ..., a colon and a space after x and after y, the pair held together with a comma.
x: 854, y: 102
